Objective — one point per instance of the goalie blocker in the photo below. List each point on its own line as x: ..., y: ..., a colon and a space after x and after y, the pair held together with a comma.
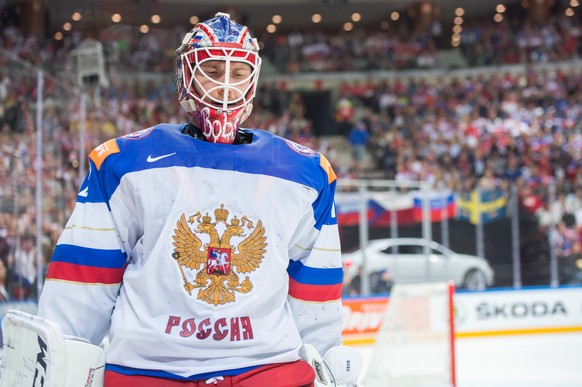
x: 37, y: 354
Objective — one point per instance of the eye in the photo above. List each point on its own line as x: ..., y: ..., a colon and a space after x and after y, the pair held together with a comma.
x: 239, y: 75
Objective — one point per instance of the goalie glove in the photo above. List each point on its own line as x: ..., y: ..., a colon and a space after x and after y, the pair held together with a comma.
x: 340, y: 366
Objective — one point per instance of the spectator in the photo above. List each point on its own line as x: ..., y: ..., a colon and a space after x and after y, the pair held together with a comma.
x: 570, y: 266
x: 24, y: 263
x: 4, y: 296
x: 381, y: 281
x: 356, y: 283
x: 344, y: 113
x: 573, y: 205
x: 359, y: 138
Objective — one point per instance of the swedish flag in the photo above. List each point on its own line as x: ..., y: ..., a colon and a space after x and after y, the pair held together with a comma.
x: 485, y: 206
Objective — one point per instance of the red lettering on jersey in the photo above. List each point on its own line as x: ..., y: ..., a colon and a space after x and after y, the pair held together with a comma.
x: 234, y: 329
x: 219, y: 333
x: 173, y: 321
x: 203, y: 329
x: 188, y: 327
x: 238, y: 328
x: 247, y: 328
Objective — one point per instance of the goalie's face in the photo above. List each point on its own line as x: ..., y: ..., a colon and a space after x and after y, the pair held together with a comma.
x: 223, y: 84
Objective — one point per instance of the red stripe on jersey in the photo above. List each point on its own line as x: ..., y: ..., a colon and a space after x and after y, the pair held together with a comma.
x: 85, y: 274
x: 314, y: 293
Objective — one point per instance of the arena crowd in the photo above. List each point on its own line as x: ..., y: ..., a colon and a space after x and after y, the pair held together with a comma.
x: 486, y: 129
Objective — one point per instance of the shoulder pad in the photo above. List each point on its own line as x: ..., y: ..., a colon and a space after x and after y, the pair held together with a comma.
x: 99, y: 154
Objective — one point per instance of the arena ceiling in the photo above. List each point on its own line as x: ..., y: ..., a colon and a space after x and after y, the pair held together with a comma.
x: 296, y: 14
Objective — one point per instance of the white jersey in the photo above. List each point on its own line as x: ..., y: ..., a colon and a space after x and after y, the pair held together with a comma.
x: 197, y: 257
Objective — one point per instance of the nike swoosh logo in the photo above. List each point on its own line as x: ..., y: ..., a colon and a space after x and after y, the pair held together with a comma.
x: 151, y: 159
x: 84, y: 193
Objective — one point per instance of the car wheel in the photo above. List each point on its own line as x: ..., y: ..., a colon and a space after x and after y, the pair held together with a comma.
x: 474, y: 280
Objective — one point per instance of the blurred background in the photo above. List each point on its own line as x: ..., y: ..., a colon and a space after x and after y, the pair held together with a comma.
x: 458, y: 122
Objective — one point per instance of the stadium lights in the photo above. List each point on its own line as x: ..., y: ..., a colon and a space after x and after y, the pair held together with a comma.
x: 457, y: 28
x: 426, y: 8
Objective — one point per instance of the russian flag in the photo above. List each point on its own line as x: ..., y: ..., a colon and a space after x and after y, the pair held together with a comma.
x: 441, y: 204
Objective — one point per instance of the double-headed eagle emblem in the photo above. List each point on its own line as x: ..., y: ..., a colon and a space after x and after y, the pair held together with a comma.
x: 217, y: 261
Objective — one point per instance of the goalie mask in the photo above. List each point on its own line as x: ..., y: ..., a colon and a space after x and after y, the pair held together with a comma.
x: 217, y: 68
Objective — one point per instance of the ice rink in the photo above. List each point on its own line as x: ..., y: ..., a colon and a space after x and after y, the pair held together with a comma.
x: 549, y: 360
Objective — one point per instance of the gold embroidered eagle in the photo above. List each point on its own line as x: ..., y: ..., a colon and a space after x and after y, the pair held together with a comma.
x: 217, y: 261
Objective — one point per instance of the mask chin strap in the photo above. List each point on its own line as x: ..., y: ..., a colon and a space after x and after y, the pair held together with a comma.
x: 188, y: 105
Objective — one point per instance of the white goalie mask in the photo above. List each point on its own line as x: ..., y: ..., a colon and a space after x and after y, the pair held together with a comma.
x: 217, y: 69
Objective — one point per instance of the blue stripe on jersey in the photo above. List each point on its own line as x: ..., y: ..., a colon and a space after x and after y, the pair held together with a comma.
x: 167, y: 375
x: 110, y: 259
x: 267, y: 155
x: 314, y: 276
x: 323, y: 208
x: 90, y: 191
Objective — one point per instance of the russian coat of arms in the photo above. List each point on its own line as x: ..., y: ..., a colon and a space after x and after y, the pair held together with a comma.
x: 217, y: 263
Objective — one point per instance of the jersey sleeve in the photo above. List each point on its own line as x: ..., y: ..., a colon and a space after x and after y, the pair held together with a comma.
x: 315, y: 270
x: 87, y: 266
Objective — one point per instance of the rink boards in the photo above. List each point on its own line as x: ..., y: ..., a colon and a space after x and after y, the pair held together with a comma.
x: 494, y: 312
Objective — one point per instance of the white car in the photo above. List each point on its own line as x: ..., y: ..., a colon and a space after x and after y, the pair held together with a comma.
x: 408, y: 262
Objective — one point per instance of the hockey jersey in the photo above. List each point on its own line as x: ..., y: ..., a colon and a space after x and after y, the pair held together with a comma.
x: 194, y: 257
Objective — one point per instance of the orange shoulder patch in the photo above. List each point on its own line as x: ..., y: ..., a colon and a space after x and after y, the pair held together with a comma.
x: 331, y: 177
x: 99, y: 154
